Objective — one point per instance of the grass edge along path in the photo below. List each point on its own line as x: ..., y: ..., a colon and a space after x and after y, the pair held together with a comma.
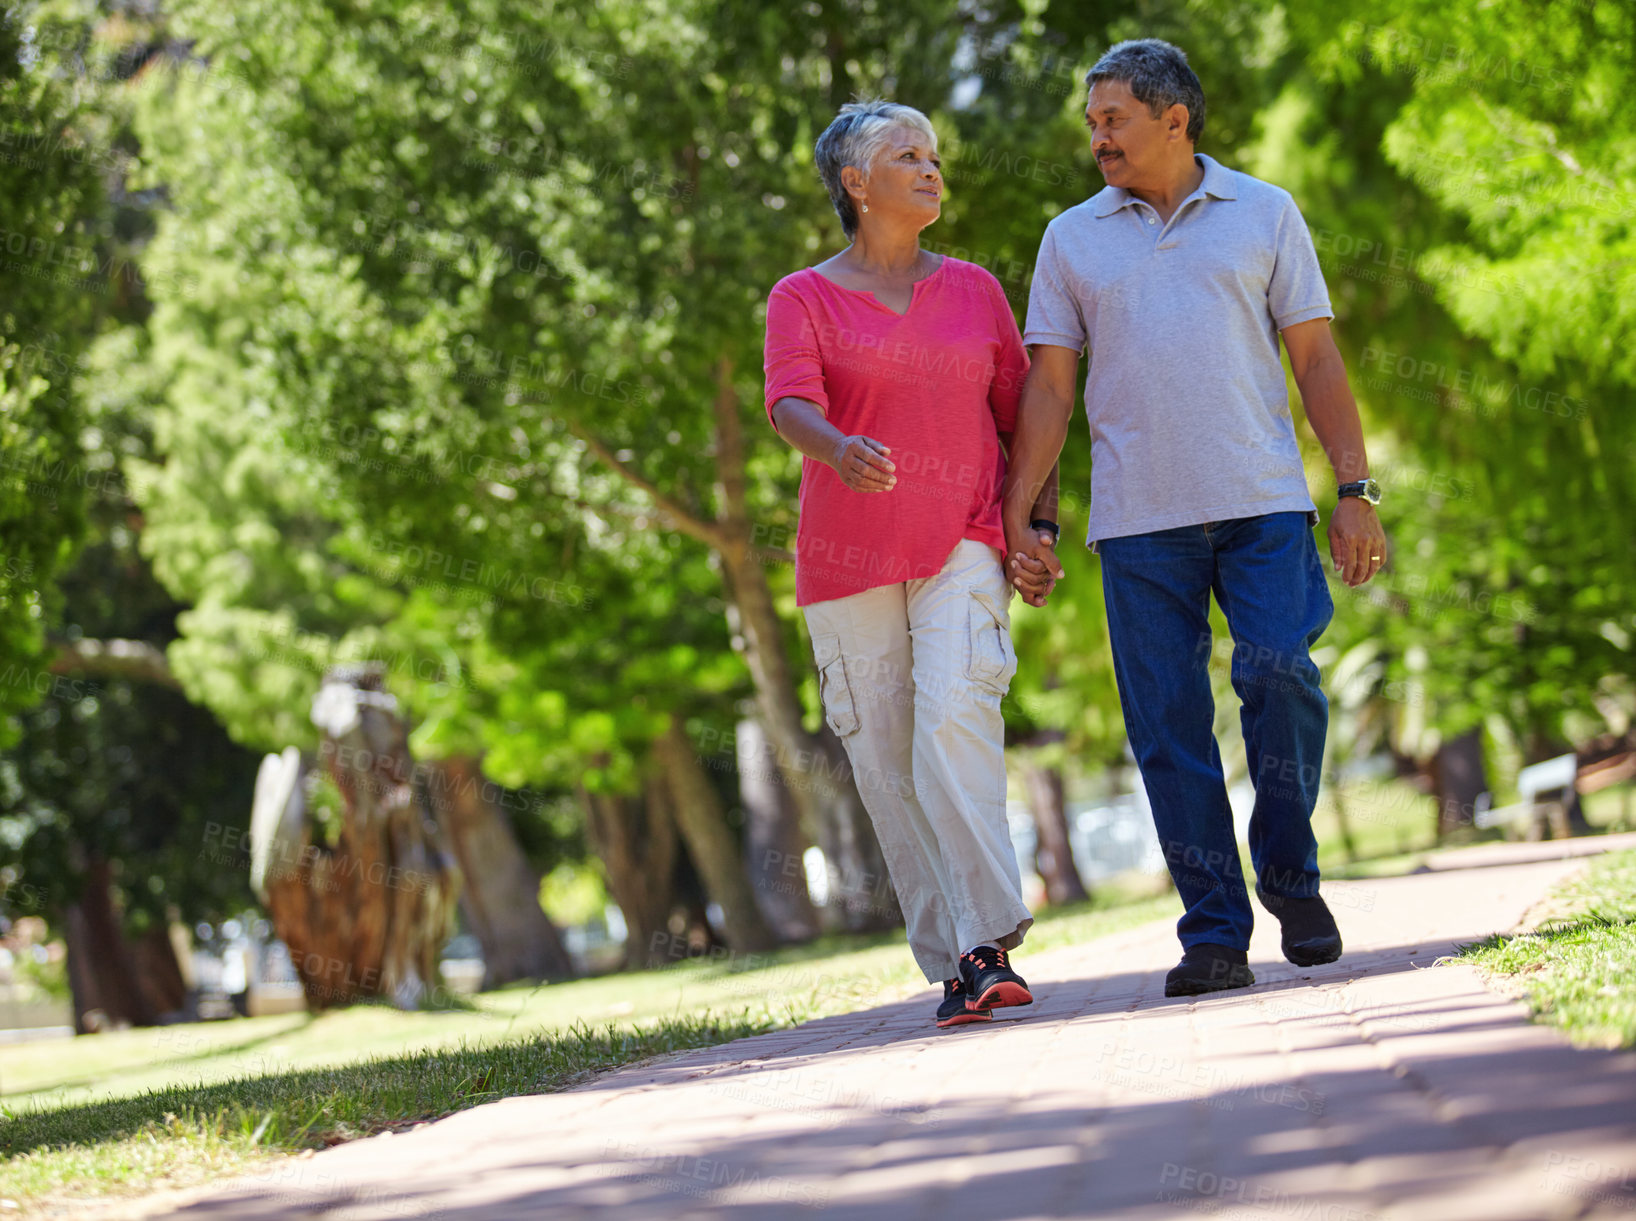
x: 189, y: 1134
x: 186, y: 1134
x: 1577, y: 968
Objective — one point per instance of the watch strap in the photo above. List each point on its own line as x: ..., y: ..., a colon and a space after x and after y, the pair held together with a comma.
x: 1366, y: 489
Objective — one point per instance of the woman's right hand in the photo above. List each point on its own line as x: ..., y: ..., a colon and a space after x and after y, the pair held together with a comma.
x: 862, y: 464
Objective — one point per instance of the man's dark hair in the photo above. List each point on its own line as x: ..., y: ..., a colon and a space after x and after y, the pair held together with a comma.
x: 1158, y: 76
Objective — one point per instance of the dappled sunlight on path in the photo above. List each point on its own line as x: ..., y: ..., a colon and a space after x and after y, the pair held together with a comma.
x: 1378, y: 1086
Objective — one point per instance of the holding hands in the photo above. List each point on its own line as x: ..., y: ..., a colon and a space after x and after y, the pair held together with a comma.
x: 1031, y: 564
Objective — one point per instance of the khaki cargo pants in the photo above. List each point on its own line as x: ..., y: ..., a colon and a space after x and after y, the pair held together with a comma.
x: 911, y: 677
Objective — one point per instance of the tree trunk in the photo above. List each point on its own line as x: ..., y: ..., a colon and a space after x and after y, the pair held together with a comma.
x: 711, y: 842
x: 158, y: 973
x: 825, y: 795
x: 860, y: 887
x: 1053, y: 853
x: 368, y: 916
x: 500, y: 897
x: 103, y: 978
x: 635, y: 839
x: 774, y: 846
x: 1458, y: 779
x: 816, y: 769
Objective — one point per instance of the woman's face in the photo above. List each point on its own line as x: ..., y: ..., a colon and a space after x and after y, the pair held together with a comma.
x: 906, y: 177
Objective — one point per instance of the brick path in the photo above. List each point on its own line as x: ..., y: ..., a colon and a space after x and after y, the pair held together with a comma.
x: 1373, y: 1087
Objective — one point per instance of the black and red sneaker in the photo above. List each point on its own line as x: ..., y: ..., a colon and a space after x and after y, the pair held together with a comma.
x: 953, y: 1010
x: 989, y: 980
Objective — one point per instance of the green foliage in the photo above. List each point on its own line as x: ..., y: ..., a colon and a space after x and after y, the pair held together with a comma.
x: 52, y: 149
x: 135, y: 774
x: 1478, y: 241
x: 573, y: 894
x: 46, y: 977
x: 410, y: 332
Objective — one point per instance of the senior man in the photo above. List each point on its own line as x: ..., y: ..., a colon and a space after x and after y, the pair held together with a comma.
x: 1179, y: 277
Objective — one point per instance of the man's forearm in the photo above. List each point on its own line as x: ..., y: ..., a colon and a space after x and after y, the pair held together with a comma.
x: 1333, y: 414
x: 1043, y: 413
x: 1031, y: 475
x: 1045, y: 504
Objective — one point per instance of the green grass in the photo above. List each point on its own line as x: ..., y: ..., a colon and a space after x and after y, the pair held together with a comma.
x: 187, y: 1133
x: 131, y: 1111
x: 1578, y: 969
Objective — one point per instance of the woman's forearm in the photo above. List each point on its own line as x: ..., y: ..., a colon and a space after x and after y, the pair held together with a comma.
x: 861, y: 462
x: 803, y: 425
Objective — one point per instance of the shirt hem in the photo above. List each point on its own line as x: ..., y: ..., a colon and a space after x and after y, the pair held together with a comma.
x: 1197, y: 517
x: 806, y: 596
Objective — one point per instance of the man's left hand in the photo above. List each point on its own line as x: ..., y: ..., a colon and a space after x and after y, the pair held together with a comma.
x: 1357, y: 541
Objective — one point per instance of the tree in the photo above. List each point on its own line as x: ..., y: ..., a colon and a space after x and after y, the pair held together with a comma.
x: 454, y: 283
x: 1469, y: 202
x: 57, y: 215
x: 500, y: 890
x: 365, y: 911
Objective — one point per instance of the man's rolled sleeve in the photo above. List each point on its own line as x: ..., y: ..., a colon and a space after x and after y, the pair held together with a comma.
x: 1055, y: 315
x: 1296, y: 291
x: 792, y: 362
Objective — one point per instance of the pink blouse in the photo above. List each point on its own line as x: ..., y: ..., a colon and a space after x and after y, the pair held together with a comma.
x: 936, y: 385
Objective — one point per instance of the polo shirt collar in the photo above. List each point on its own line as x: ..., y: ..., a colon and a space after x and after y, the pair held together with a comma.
x: 1218, y: 181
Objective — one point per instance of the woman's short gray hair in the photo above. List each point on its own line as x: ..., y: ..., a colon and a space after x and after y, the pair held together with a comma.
x: 1158, y: 76
x: 856, y: 138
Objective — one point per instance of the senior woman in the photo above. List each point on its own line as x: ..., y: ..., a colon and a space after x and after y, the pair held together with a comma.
x: 897, y: 372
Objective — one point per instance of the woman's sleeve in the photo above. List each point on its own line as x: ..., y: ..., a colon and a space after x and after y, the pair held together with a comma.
x: 792, y: 362
x: 1010, y: 365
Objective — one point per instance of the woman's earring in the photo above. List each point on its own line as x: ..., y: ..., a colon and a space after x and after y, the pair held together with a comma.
x: 866, y: 207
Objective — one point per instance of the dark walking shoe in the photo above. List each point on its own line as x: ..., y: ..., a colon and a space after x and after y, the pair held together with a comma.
x: 1310, y: 936
x: 1209, y: 968
x: 953, y: 1011
x: 990, y: 982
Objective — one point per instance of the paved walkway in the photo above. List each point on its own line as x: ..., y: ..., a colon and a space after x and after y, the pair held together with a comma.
x: 1377, y: 1086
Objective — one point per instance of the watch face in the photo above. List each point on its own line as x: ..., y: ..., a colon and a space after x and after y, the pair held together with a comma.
x: 1371, y: 491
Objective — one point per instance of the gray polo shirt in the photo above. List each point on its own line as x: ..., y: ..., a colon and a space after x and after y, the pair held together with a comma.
x: 1186, y: 398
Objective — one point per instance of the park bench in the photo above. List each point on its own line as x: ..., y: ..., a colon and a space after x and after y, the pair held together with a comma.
x: 1545, y: 789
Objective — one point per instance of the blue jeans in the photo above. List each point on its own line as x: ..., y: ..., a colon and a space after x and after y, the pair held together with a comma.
x: 1269, y: 582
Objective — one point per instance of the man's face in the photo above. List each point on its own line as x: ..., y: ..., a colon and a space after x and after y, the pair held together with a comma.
x: 1131, y: 147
